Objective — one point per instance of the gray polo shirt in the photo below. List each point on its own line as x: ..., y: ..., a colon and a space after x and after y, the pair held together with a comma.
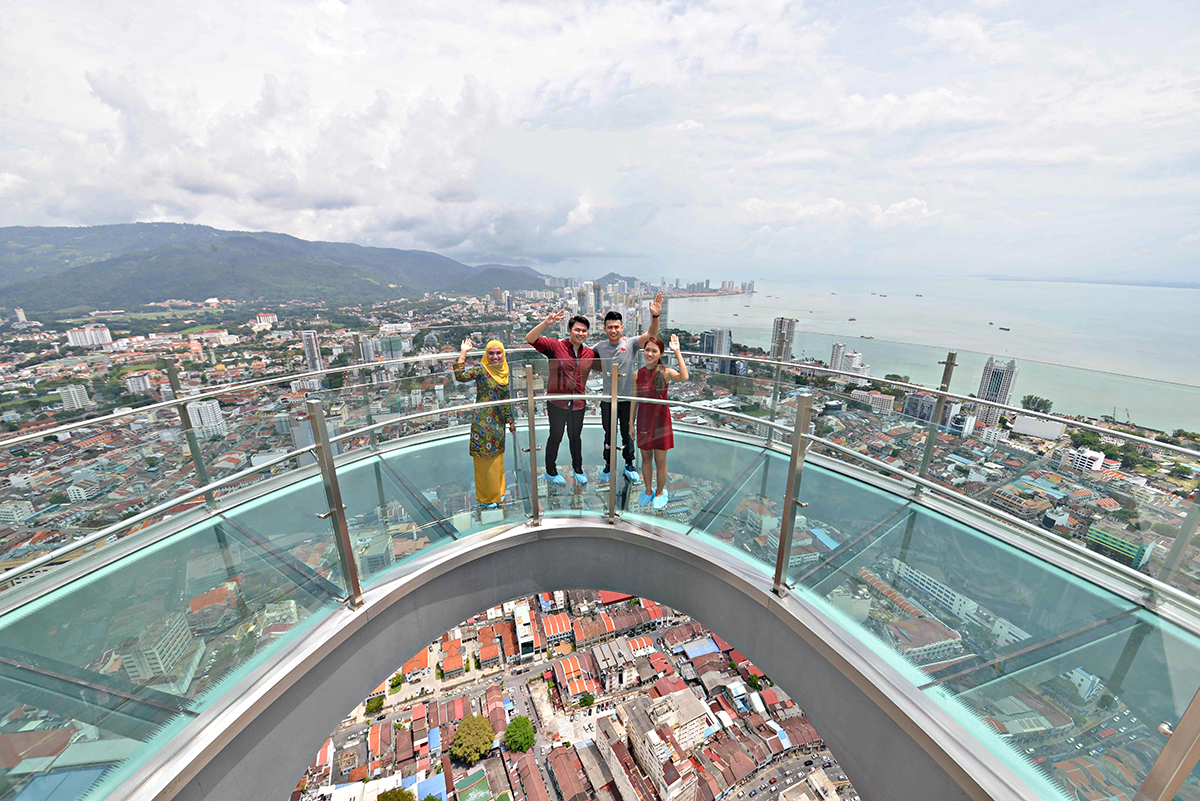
x: 624, y: 355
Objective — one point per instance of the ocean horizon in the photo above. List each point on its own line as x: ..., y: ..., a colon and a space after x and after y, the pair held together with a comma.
x: 1092, y: 349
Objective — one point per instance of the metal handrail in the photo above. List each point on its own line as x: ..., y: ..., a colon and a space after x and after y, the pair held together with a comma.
x: 228, y: 388
x: 369, y: 429
x: 1066, y: 421
x: 145, y: 514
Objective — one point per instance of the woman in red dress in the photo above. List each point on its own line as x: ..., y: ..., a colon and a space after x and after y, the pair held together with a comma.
x: 653, y: 420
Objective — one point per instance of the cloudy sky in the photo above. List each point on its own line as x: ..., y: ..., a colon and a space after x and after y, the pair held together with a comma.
x: 742, y: 138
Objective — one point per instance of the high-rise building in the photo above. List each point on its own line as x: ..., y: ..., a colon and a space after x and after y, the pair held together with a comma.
x: 783, y: 332
x: 20, y: 315
x: 596, y: 299
x: 996, y: 384
x: 139, y: 384
x: 156, y: 651
x: 90, y: 336
x: 207, y: 419
x: 922, y: 405
x: 835, y: 358
x: 312, y: 351
x: 852, y: 363
x: 74, y: 397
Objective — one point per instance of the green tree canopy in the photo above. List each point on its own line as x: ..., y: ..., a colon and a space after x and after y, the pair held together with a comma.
x: 472, y: 740
x: 1180, y: 471
x: 587, y: 700
x: 374, y: 704
x: 519, y: 735
x: 396, y: 680
x: 398, y: 794
x: 1036, y: 403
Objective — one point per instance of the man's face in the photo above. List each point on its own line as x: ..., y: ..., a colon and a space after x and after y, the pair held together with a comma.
x: 613, y: 330
x: 579, y: 333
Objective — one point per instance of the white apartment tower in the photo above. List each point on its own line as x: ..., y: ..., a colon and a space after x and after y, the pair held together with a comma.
x: 74, y: 397
x: 206, y: 418
x: 90, y: 336
x: 996, y: 385
x: 783, y: 333
x: 835, y: 358
x: 312, y: 351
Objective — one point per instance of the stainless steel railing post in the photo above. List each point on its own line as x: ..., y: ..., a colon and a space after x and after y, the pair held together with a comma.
x: 774, y: 405
x: 333, y: 495
x: 189, y: 434
x: 1187, y: 530
x: 791, y: 501
x: 535, y: 505
x: 612, y: 451
x: 938, y: 411
x: 1177, y: 759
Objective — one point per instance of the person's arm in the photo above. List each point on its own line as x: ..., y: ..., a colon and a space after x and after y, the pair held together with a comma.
x: 682, y: 373
x: 552, y: 318
x: 652, y: 331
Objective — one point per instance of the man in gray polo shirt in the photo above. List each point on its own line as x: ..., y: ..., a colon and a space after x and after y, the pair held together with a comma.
x: 622, y: 351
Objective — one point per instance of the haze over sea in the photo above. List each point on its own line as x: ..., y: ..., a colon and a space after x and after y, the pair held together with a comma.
x: 1087, y: 347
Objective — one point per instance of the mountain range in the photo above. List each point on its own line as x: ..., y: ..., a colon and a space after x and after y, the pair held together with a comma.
x: 116, y: 266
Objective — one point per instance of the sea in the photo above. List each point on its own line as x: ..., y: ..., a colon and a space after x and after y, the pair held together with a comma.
x: 1131, y: 352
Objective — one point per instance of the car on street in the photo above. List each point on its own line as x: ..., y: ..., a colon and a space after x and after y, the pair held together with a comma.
x: 827, y: 765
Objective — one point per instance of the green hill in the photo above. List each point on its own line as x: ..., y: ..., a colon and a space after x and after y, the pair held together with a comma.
x: 50, y: 269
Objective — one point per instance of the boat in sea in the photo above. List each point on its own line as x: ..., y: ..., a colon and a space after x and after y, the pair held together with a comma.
x: 735, y: 314
x: 852, y: 319
x: 864, y: 336
x: 883, y: 296
x: 1002, y: 328
x: 919, y: 295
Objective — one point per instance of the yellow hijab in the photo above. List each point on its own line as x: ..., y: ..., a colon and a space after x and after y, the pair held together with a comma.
x: 498, y: 372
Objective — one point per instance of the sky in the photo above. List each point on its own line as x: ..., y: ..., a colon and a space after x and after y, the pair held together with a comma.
x: 748, y: 139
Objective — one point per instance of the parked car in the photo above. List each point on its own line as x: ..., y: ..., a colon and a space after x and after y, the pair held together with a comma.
x: 773, y: 780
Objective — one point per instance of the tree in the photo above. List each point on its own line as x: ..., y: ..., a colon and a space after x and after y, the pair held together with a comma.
x: 58, y: 497
x: 395, y: 681
x: 1036, y: 403
x: 587, y: 700
x: 398, y: 794
x: 1180, y: 471
x: 519, y: 736
x: 473, y: 740
x: 754, y: 683
x: 374, y: 704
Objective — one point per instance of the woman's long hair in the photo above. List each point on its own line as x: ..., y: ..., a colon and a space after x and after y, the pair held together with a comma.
x: 660, y: 380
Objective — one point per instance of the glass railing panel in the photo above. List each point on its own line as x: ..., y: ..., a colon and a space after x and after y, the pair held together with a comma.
x: 62, y: 491
x: 401, y: 503
x: 117, y: 662
x: 708, y: 479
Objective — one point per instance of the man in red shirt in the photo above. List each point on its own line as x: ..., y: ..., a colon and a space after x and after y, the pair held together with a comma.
x: 570, y: 363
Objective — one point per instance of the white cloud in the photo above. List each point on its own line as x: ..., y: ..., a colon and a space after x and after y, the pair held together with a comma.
x: 582, y: 215
x: 906, y: 212
x: 970, y: 34
x: 581, y: 132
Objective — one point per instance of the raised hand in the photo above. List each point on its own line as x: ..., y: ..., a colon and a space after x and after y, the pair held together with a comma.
x: 674, y: 345
x: 555, y: 317
x: 466, y: 345
x: 656, y: 305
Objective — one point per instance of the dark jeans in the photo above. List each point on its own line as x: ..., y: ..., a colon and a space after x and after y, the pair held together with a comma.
x: 627, y: 447
x: 572, y: 421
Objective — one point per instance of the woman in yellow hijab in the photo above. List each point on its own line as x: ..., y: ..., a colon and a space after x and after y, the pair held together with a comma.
x: 487, y: 429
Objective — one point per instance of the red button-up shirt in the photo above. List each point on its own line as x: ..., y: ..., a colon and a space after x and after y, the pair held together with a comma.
x: 568, y: 371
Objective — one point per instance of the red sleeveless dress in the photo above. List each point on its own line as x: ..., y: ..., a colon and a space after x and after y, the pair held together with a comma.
x: 653, y: 419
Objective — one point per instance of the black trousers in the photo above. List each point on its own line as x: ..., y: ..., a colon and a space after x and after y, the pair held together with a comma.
x: 571, y: 421
x: 627, y: 447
